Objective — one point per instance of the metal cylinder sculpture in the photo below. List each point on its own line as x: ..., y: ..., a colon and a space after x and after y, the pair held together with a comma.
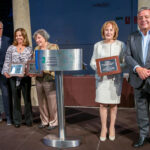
x: 59, y: 61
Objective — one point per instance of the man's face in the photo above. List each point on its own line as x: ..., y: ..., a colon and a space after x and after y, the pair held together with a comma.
x: 1, y: 29
x: 143, y: 20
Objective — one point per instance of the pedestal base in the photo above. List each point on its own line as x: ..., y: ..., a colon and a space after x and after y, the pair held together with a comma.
x: 54, y: 141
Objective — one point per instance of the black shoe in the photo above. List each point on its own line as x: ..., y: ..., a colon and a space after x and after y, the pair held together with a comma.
x: 141, y: 142
x: 17, y: 125
x: 9, y: 122
x: 1, y: 119
x: 51, y: 127
x: 29, y: 124
x: 41, y: 126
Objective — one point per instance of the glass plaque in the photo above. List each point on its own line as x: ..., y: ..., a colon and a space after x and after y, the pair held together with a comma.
x: 108, y: 66
x: 17, y: 69
x: 31, y: 69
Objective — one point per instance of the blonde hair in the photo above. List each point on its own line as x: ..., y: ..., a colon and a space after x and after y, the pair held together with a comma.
x: 24, y: 34
x: 114, y: 25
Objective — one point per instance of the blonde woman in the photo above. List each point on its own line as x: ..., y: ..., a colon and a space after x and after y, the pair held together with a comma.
x: 109, y: 87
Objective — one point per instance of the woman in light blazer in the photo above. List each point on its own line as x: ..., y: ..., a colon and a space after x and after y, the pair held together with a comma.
x: 108, y: 88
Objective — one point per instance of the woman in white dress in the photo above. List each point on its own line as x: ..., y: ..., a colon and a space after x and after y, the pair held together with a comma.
x: 108, y: 88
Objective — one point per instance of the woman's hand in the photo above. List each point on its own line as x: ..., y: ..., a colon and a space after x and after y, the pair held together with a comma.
x: 32, y: 75
x: 7, y: 75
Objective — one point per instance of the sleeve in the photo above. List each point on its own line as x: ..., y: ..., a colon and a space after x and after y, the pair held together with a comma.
x: 122, y: 55
x: 93, y: 59
x: 57, y: 47
x: 8, y: 60
x: 9, y: 41
x: 130, y: 61
x: 54, y: 47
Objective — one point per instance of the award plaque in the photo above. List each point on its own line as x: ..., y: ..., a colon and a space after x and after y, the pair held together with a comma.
x: 17, y: 69
x: 31, y: 69
x: 108, y: 66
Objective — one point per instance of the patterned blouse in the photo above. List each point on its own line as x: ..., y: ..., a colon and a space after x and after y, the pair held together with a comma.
x: 12, y: 56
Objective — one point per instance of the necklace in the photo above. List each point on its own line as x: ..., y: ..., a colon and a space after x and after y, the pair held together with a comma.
x: 20, y: 49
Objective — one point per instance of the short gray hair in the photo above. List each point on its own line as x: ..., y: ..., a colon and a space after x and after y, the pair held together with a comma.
x: 43, y: 33
x: 143, y: 8
x: 1, y: 23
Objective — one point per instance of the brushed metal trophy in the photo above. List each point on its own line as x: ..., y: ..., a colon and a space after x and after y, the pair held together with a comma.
x: 59, y: 61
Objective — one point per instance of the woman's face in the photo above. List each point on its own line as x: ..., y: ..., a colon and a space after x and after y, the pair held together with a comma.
x: 19, y: 37
x: 40, y: 41
x: 109, y: 32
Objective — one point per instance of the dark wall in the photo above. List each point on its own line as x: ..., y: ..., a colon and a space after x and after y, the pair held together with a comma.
x: 77, y: 23
x: 6, y: 17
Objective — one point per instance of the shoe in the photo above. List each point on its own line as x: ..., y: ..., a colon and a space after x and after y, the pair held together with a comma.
x: 51, y: 127
x: 9, y: 123
x: 29, y: 124
x: 17, y: 125
x: 41, y: 126
x: 103, y: 138
x: 1, y: 118
x: 112, y: 138
x: 141, y: 142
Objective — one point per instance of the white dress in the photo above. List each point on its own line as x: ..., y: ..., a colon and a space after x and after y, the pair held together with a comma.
x: 108, y: 88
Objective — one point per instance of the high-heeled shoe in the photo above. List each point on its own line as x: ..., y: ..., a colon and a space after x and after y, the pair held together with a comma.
x: 112, y: 138
x: 103, y: 138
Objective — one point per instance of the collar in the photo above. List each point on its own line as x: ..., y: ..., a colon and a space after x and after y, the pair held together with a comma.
x: 148, y: 33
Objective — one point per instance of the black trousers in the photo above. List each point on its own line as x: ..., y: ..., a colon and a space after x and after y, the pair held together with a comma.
x: 25, y: 87
x: 4, y: 85
x: 142, y: 100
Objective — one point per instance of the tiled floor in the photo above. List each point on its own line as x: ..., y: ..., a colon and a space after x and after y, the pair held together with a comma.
x: 83, y: 123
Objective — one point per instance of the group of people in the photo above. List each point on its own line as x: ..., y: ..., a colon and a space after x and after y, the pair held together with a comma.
x: 135, y: 54
x: 20, y: 52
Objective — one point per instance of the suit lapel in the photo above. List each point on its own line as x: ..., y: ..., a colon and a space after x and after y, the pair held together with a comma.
x: 138, y: 44
x: 2, y: 42
x: 148, y: 53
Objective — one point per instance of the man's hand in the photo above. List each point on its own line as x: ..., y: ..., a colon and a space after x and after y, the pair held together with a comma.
x: 143, y: 72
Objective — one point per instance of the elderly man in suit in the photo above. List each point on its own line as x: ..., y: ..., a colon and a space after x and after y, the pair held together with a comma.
x: 4, y: 43
x: 138, y: 59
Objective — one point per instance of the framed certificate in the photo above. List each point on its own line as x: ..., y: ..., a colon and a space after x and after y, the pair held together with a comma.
x: 31, y: 69
x: 108, y: 66
x: 17, y: 69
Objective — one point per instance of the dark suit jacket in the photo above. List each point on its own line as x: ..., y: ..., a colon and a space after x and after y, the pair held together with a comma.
x: 5, y: 42
x: 134, y: 56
